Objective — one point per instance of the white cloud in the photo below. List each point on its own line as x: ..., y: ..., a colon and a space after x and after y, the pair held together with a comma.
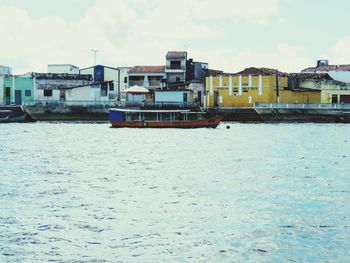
x: 126, y: 32
x: 341, y: 51
x: 255, y: 11
x: 283, y: 57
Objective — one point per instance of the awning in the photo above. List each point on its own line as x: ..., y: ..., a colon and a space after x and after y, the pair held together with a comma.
x: 136, y: 89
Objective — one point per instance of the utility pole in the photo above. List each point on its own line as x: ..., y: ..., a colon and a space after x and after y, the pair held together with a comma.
x: 118, y: 98
x: 95, y: 52
x: 277, y: 88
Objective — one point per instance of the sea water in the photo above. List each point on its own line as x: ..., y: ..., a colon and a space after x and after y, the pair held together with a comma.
x: 82, y: 192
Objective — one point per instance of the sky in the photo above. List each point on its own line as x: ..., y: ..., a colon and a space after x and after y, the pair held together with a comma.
x: 228, y: 34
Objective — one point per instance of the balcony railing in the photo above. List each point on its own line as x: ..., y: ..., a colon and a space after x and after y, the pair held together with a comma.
x: 69, y: 102
x: 175, y: 68
x: 302, y: 105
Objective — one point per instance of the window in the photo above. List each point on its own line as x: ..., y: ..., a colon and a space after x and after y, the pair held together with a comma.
x: 111, y: 86
x: 104, y: 89
x: 48, y: 93
x: 175, y: 64
x: 27, y: 93
x: 334, y: 98
x: 125, y: 79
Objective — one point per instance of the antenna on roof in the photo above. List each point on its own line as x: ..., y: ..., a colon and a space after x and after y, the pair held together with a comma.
x: 94, y: 51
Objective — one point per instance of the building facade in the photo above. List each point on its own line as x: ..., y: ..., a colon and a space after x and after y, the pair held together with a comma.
x: 337, y: 72
x: 174, y: 96
x: 94, y: 93
x: 175, y: 69
x: 51, y: 87
x: 62, y: 69
x: 150, y: 77
x: 252, y: 85
x: 101, y: 73
x: 123, y: 80
x: 16, y: 90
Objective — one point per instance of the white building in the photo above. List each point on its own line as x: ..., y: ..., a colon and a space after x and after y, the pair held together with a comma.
x: 95, y: 93
x: 102, y: 73
x: 124, y: 82
x: 62, y: 69
x: 175, y: 68
x: 150, y: 77
x: 337, y: 72
x: 173, y: 96
x: 51, y: 87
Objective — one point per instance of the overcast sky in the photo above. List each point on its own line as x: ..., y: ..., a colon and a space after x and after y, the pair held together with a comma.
x: 228, y: 34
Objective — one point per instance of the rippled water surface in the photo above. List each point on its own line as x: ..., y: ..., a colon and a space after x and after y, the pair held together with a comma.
x: 252, y: 193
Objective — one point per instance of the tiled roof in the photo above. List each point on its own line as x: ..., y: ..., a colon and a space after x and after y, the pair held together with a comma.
x: 310, y: 76
x: 328, y: 68
x: 259, y: 71
x: 176, y: 54
x: 147, y: 69
x: 214, y: 72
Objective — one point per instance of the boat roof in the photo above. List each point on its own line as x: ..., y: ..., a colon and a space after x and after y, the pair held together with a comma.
x: 159, y: 111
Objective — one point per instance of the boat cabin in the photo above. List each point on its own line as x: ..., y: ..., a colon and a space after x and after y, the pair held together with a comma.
x: 133, y: 115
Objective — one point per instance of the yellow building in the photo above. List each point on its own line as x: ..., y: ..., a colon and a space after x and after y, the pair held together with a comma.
x: 252, y: 85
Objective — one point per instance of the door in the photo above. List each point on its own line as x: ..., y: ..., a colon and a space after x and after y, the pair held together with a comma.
x: 334, y: 98
x: 185, y: 97
x: 199, y: 97
x: 216, y: 97
x: 18, y: 97
x: 8, y: 96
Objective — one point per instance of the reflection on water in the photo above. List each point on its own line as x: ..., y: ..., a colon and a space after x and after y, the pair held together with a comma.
x: 255, y: 192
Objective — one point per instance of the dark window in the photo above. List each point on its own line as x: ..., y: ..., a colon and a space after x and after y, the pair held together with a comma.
x: 111, y: 86
x: 125, y: 79
x: 334, y: 98
x: 175, y: 64
x: 103, y: 89
x: 344, y: 98
x: 48, y: 93
x: 7, y: 92
x: 177, y: 79
x: 28, y: 93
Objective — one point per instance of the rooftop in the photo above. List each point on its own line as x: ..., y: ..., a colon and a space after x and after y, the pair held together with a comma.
x: 176, y: 54
x: 328, y: 68
x: 65, y: 76
x: 147, y: 69
x: 260, y: 71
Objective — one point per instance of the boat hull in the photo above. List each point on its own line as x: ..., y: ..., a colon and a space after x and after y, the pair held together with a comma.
x: 208, y: 123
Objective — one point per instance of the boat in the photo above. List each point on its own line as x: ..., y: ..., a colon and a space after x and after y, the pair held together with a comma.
x: 136, y: 118
x: 10, y: 113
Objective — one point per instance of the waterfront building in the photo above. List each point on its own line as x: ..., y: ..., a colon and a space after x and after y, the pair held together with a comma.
x: 94, y: 93
x: 332, y: 91
x: 51, y: 87
x: 174, y: 96
x: 16, y: 90
x: 137, y: 94
x: 252, y: 85
x: 62, y: 69
x: 175, y: 69
x: 124, y: 84
x: 150, y: 77
x: 101, y: 73
x: 337, y: 72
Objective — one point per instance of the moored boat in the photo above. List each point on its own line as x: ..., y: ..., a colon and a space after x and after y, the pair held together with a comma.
x: 12, y: 114
x: 135, y: 118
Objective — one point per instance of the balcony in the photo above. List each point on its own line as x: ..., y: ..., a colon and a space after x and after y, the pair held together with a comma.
x: 135, y: 82
x: 175, y: 69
